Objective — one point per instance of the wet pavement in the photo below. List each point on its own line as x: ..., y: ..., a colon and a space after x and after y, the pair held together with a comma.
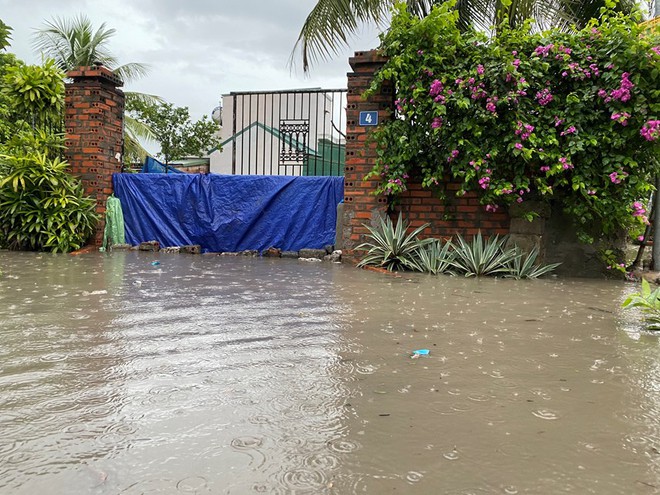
x: 231, y: 375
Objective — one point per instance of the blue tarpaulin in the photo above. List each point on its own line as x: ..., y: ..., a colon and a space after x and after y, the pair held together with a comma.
x: 229, y: 213
x: 153, y: 166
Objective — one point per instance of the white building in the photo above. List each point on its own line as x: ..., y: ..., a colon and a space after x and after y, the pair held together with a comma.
x: 291, y: 132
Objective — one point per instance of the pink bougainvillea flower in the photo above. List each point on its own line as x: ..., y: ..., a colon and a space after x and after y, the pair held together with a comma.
x: 544, y: 97
x: 623, y: 92
x: 436, y: 88
x: 543, y: 51
x: 566, y: 165
x: 638, y: 209
x: 651, y: 130
x: 617, y: 177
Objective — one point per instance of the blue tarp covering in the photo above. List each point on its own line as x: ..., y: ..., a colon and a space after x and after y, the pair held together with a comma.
x: 153, y: 166
x: 230, y: 212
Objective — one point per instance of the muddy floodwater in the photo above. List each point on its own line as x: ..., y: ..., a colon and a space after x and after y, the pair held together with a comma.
x: 232, y: 375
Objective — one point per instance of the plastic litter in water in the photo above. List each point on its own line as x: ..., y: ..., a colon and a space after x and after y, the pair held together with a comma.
x: 155, y: 263
x: 420, y: 352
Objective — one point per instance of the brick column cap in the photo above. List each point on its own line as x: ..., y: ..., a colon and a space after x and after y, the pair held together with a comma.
x: 368, y: 57
x: 97, y: 72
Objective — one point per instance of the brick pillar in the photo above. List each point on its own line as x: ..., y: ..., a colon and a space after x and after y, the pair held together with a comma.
x: 360, y: 205
x: 94, y: 128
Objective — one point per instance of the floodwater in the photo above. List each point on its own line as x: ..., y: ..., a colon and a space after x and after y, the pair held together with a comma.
x: 222, y: 375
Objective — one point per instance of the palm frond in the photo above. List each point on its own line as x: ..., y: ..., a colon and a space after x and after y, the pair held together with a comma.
x: 138, y: 130
x: 131, y: 71
x: 134, y: 152
x: 330, y: 25
x: 5, y: 35
x: 143, y: 99
x: 74, y: 43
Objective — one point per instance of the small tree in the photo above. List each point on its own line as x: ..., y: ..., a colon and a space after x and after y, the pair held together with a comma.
x: 75, y: 42
x: 5, y: 35
x: 42, y: 206
x: 177, y: 135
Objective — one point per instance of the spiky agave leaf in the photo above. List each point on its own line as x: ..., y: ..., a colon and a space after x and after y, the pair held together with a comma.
x: 434, y: 257
x: 482, y: 256
x: 391, y: 246
x: 524, y: 265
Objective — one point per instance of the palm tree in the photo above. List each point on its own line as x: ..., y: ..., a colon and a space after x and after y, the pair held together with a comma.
x: 331, y: 23
x: 74, y: 43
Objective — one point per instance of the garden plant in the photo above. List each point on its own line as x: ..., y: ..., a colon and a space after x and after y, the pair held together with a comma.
x: 392, y: 247
x: 42, y: 206
x: 565, y: 118
x: 649, y: 302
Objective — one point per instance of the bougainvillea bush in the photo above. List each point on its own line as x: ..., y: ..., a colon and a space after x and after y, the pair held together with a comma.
x: 566, y: 117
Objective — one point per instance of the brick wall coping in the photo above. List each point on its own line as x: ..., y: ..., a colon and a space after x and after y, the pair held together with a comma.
x: 98, y: 72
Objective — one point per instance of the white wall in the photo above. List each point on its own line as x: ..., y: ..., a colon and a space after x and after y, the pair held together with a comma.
x: 257, y: 149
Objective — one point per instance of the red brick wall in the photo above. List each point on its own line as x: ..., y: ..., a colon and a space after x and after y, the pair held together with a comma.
x: 453, y: 215
x: 94, y: 124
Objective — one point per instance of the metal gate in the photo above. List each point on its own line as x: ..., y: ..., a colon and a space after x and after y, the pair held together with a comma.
x: 293, y: 132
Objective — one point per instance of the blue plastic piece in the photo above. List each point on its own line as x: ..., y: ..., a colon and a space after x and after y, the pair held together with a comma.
x: 155, y: 263
x: 230, y: 213
x: 422, y: 352
x: 153, y: 166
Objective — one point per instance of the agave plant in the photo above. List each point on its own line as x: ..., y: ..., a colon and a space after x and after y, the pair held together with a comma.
x: 391, y: 246
x: 482, y: 256
x: 434, y: 257
x: 649, y: 302
x: 524, y: 265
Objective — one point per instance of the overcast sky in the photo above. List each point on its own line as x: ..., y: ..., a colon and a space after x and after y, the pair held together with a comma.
x: 197, y: 49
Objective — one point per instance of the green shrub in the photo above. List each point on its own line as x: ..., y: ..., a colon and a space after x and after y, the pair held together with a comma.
x: 649, y: 302
x: 42, y: 206
x: 35, y: 93
x: 566, y: 117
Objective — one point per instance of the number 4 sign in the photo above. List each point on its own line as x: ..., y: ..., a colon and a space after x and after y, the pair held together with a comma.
x: 368, y: 118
